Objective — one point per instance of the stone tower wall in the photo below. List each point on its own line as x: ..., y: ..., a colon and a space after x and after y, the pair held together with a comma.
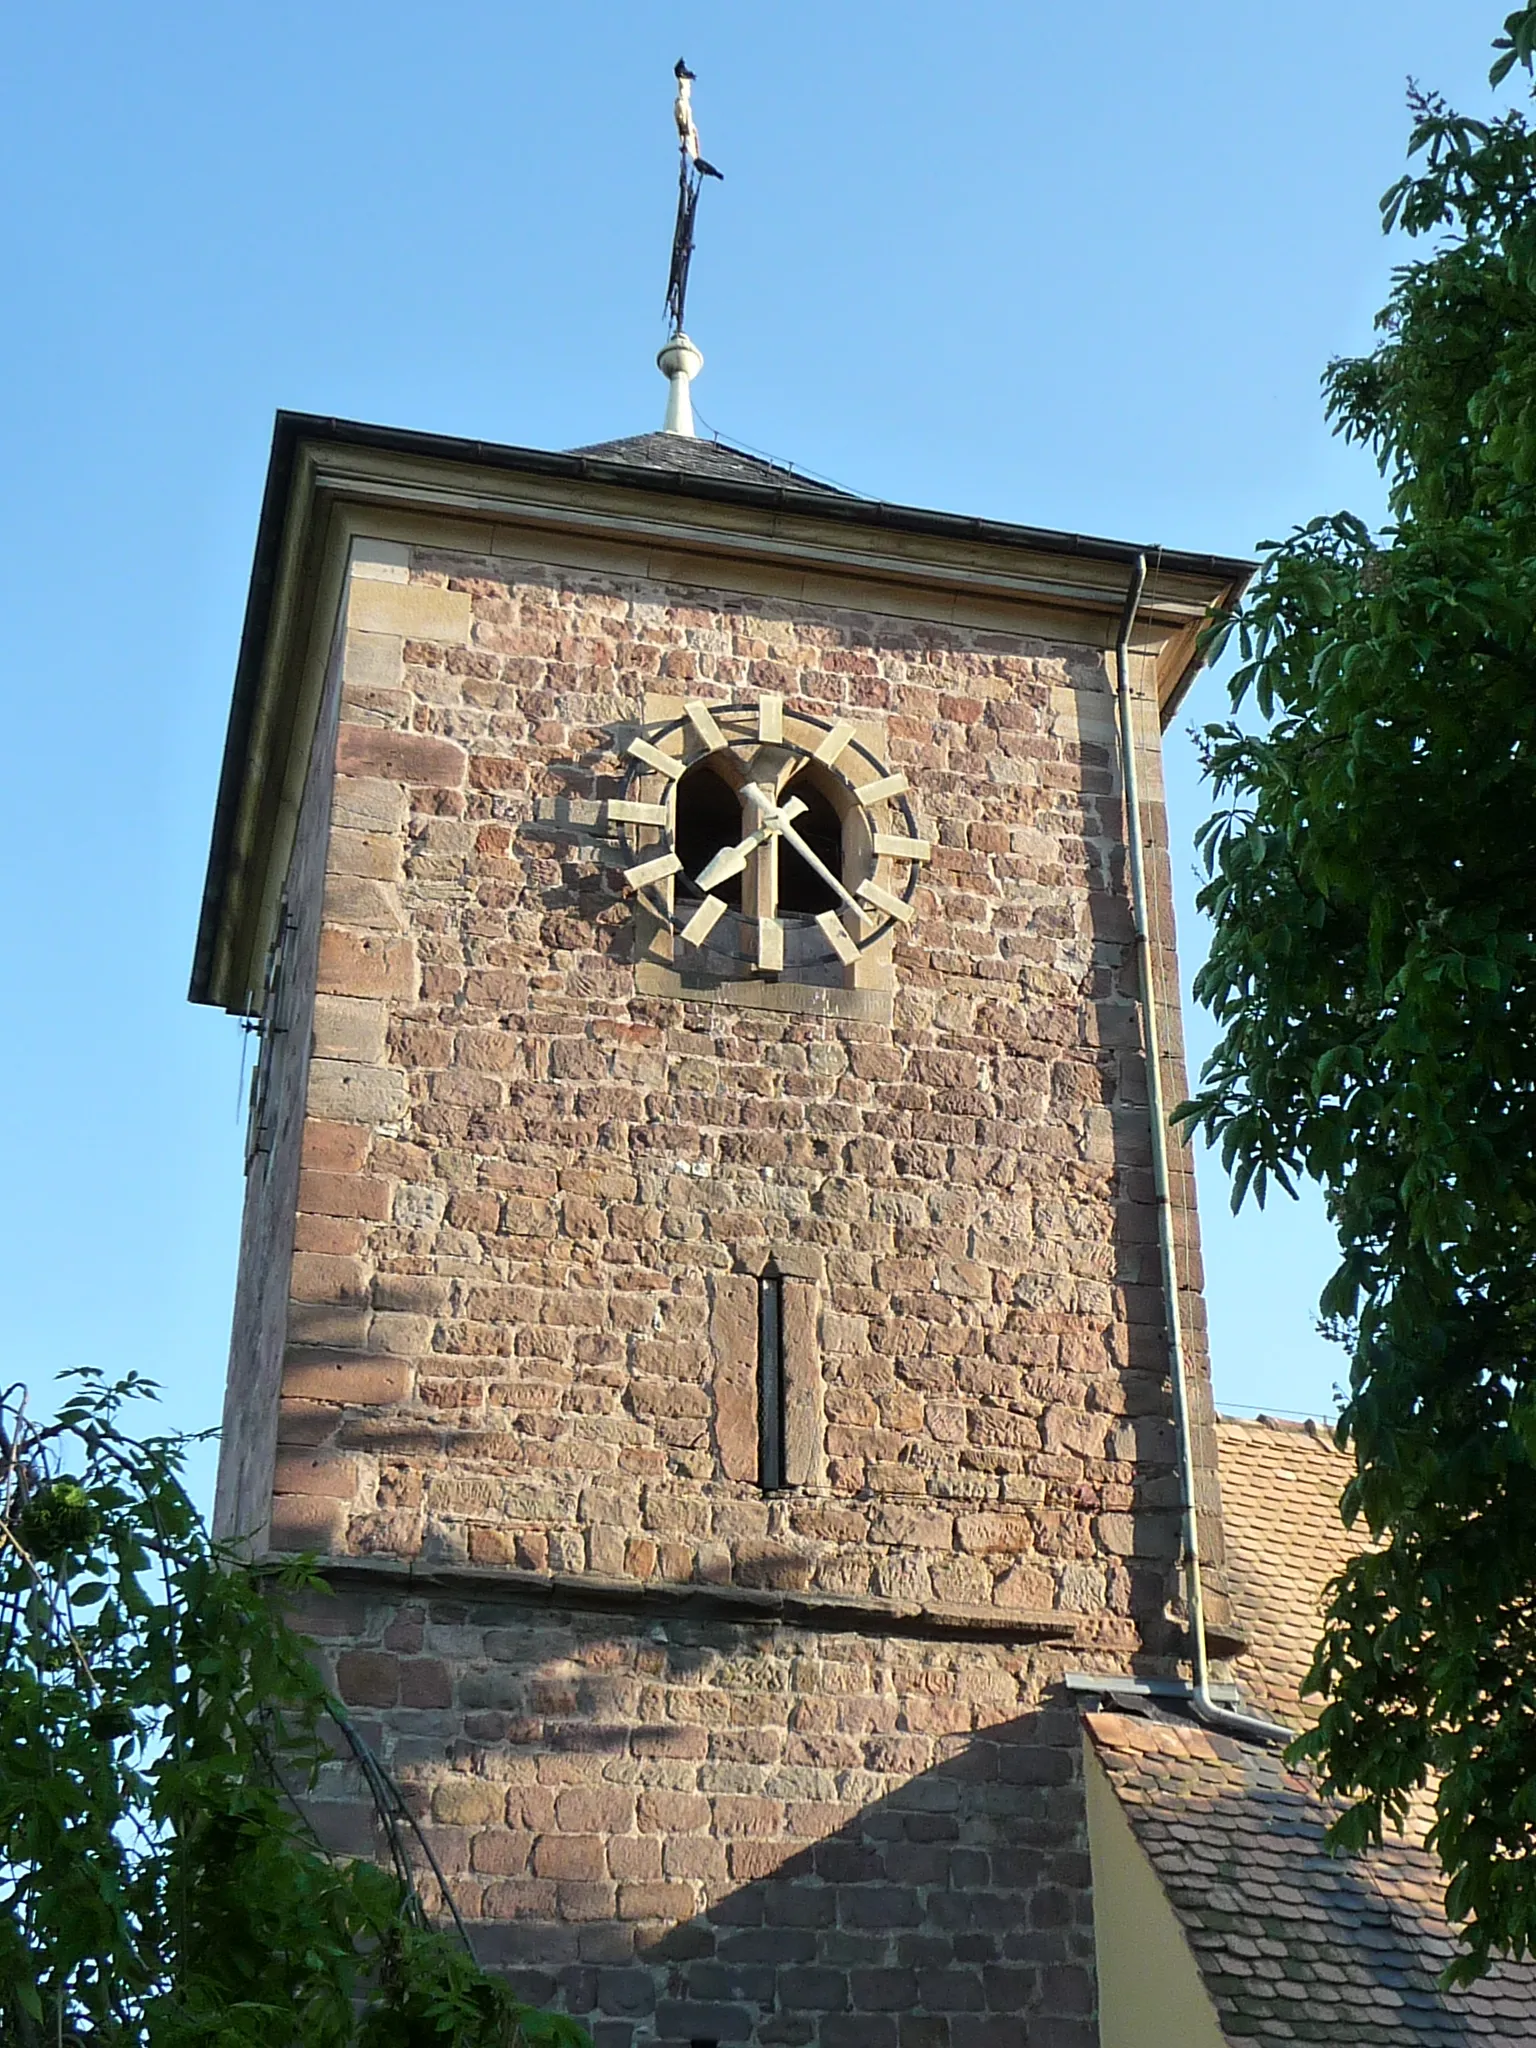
x: 280, y: 1110
x: 523, y: 1301
x: 710, y: 1833
x: 516, y: 1398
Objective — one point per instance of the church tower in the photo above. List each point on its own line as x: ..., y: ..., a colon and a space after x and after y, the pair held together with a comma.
x: 700, y: 1288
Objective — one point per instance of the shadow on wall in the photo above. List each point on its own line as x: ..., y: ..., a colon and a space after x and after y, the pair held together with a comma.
x: 953, y: 1914
x: 732, y: 1836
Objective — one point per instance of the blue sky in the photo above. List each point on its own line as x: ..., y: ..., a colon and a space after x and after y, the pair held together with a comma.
x: 1078, y: 268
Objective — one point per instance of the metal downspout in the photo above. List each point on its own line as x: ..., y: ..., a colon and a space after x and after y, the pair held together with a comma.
x: 1208, y: 1709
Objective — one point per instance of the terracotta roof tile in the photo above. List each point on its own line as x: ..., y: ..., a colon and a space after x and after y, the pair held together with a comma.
x: 1280, y: 1487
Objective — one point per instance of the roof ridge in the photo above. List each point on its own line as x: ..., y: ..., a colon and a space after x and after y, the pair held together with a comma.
x: 1310, y: 1425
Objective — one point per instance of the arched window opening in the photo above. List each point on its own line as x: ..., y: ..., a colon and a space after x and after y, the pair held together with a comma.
x: 801, y: 889
x: 708, y: 818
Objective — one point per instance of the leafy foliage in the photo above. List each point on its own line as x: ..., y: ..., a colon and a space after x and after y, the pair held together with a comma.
x: 1372, y: 876
x: 1373, y: 879
x: 158, y: 1885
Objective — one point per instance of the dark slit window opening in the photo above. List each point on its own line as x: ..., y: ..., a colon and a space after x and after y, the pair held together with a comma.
x: 770, y: 1384
x: 801, y: 890
x: 708, y: 819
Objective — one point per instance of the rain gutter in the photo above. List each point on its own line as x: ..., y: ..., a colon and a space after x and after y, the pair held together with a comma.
x: 1202, y: 1699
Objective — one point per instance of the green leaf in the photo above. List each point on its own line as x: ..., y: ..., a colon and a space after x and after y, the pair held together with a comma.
x: 153, y: 1724
x: 1370, y: 871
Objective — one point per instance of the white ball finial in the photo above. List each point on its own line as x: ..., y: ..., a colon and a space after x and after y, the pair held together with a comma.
x: 679, y: 362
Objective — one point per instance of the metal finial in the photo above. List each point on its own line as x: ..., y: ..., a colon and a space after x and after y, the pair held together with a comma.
x: 680, y: 361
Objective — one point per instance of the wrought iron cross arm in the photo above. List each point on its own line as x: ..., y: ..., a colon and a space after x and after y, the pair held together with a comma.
x: 682, y: 243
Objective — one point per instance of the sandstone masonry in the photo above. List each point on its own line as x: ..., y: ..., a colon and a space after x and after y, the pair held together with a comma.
x: 496, y: 1341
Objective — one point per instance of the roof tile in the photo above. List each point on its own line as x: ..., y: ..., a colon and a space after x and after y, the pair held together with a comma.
x: 1295, y: 1944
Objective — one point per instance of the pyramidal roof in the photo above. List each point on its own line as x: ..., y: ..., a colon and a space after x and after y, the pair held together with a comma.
x: 685, y: 455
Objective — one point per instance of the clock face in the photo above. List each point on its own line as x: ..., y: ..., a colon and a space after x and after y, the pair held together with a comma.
x: 767, y: 840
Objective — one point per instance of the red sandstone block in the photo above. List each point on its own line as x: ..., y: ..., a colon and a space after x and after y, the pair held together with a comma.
x: 474, y: 1209
x: 462, y: 1801
x: 334, y: 1148
x: 521, y: 1899
x: 532, y: 1807
x: 320, y: 1326
x: 495, y: 989
x: 656, y: 1901
x: 301, y: 1425
x: 350, y: 1379
x: 492, y: 1546
x: 676, y: 1564
x: 570, y: 1856
x: 424, y: 1682
x: 369, y: 1678
x: 306, y: 1522
x: 635, y: 1857
x: 406, y: 1631
x: 738, y: 1815
x: 331, y: 1478
x: 750, y: 1861
x: 345, y: 1194
x: 366, y: 964
x: 694, y: 1856
x: 341, y: 1237
x: 424, y: 1045
x: 371, y: 750
x: 591, y: 1809
x: 317, y: 1276
x: 985, y: 1534
x: 411, y: 1293
x: 501, y: 1852
x: 451, y: 1848
x: 585, y: 1901
x: 374, y: 855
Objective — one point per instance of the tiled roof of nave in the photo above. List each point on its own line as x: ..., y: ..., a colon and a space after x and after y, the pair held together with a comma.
x: 1294, y: 1944
x: 1280, y: 1488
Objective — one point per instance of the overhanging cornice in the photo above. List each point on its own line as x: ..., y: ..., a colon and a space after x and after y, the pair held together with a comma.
x: 802, y: 538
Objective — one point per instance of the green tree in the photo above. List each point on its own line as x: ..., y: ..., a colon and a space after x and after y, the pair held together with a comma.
x: 1372, y: 877
x: 159, y: 1887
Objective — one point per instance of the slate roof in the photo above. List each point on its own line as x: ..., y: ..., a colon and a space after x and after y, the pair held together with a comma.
x: 1294, y: 1945
x: 689, y: 456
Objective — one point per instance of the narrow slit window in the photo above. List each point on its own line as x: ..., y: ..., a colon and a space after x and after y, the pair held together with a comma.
x: 770, y: 1383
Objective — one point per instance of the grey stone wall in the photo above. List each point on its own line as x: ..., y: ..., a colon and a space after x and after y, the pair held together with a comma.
x: 243, y: 1504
